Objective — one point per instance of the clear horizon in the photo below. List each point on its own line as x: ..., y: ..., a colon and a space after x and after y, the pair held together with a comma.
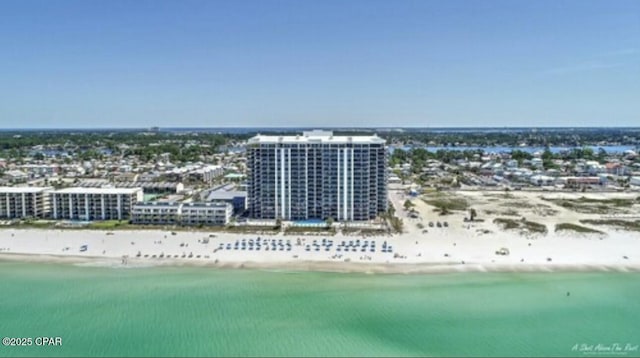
x: 287, y: 63
x: 12, y: 129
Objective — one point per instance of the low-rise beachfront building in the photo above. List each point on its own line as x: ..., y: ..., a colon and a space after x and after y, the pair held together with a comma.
x: 39, y: 170
x: 79, y: 203
x: 156, y: 213
x: 579, y: 181
x: 208, y: 173
x: 198, y: 172
x: 237, y: 198
x: 541, y: 180
x: 191, y: 214
x: 16, y: 176
x: 24, y: 202
x: 537, y: 163
x: 149, y: 187
x: 208, y: 214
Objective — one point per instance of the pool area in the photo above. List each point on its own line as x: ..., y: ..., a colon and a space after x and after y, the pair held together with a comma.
x: 74, y: 223
x: 151, y: 197
x: 309, y: 222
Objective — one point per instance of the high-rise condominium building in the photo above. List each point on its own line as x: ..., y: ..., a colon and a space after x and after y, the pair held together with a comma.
x: 317, y: 175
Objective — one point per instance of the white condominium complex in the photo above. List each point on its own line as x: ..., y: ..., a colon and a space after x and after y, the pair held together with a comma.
x: 206, y: 213
x: 158, y: 213
x: 24, y: 202
x: 317, y: 176
x: 94, y: 203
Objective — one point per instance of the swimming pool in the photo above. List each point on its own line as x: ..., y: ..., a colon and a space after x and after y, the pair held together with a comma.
x: 309, y: 222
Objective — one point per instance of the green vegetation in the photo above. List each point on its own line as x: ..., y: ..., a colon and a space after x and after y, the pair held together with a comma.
x: 291, y: 230
x: 363, y: 231
x: 521, y: 156
x: 618, y: 202
x: 98, y: 144
x: 329, y: 222
x: 95, y: 225
x: 523, y: 224
x: 396, y: 223
x: 576, y: 228
x: 35, y: 224
x: 508, y: 212
x: 542, y: 137
x: 391, y: 211
x: 535, y: 227
x: 191, y: 146
x: 576, y: 141
x: 245, y: 228
x: 593, y: 206
x: 108, y: 225
x: 408, y: 204
x: 472, y: 214
x: 547, y: 159
x: 505, y: 195
x: 507, y: 224
x: 613, y: 201
x: 445, y: 203
x: 520, y: 204
x: 617, y: 223
x: 418, y: 157
x: 152, y: 197
x: 544, y: 210
x: 113, y: 225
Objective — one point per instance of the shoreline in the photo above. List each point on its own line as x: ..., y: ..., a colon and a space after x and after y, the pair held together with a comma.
x: 501, y: 241
x: 318, y: 266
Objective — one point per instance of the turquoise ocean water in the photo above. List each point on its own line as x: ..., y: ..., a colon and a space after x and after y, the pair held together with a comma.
x: 180, y: 311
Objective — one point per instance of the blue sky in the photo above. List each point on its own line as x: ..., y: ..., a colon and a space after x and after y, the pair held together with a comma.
x: 122, y: 63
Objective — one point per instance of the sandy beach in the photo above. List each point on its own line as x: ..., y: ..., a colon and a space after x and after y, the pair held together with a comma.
x: 461, y: 246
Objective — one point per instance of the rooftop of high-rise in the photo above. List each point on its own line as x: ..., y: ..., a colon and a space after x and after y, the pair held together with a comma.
x: 316, y: 136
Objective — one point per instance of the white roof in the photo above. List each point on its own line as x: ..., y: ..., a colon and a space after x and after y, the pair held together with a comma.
x: 39, y: 166
x: 541, y: 177
x: 23, y: 189
x: 316, y: 136
x: 82, y: 190
x: 157, y: 204
x: 16, y: 173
